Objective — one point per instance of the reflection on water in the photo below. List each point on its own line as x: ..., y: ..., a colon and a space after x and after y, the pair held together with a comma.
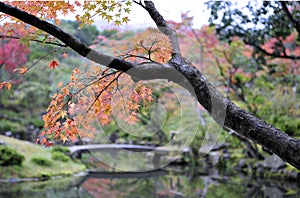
x: 170, y: 182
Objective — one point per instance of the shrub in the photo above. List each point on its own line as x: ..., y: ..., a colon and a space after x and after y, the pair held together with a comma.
x: 60, y: 156
x: 7, y: 125
x: 41, y: 161
x: 37, y: 122
x: 61, y: 149
x: 9, y: 157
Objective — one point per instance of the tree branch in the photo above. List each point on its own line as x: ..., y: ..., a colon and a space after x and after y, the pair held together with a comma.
x: 271, y: 54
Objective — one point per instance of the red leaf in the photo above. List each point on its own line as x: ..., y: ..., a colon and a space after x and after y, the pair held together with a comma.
x: 49, y: 144
x: 53, y: 64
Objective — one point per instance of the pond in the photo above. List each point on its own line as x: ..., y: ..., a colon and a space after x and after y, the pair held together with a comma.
x: 171, y: 181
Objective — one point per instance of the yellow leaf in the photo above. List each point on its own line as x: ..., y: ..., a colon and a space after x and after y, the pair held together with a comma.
x: 6, y: 85
x: 63, y: 138
x: 63, y: 114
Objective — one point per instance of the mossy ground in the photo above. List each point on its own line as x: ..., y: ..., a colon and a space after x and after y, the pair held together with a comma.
x: 32, y: 170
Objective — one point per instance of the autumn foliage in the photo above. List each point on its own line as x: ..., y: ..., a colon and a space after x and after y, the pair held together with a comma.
x: 81, y: 106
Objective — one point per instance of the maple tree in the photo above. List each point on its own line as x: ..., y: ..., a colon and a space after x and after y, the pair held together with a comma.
x: 9, y: 50
x: 66, y: 120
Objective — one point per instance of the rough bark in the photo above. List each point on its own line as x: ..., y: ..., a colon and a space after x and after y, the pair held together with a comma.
x: 227, y: 114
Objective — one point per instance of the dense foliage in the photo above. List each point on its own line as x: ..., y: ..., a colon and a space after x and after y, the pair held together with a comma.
x: 10, y: 157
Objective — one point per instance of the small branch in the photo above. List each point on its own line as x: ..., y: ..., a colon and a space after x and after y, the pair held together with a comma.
x: 91, y: 83
x: 271, y: 54
x: 136, y: 56
x: 139, y: 3
x: 35, y: 40
x: 290, y: 16
x: 162, y: 26
x: 41, y: 58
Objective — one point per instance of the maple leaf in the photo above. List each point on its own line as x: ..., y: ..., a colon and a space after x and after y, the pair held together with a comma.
x: 127, y: 10
x: 44, y: 141
x: 57, y: 21
x: 65, y: 55
x: 21, y: 70
x: 60, y: 84
x: 77, y: 3
x: 6, y: 85
x: 48, y: 144
x: 71, y: 108
x: 76, y: 71
x: 63, y: 114
x: 53, y: 64
x: 63, y: 138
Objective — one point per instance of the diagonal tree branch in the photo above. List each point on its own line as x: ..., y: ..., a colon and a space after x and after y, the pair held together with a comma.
x: 179, y: 70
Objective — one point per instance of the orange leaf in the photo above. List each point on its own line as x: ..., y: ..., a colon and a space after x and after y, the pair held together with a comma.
x: 60, y: 84
x: 57, y: 22
x: 6, y: 85
x: 53, y: 64
x: 76, y: 71
x: 21, y: 70
x: 44, y: 141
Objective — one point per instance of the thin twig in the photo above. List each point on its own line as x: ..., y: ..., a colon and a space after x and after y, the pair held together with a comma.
x: 35, y: 40
x: 162, y: 26
x: 91, y: 83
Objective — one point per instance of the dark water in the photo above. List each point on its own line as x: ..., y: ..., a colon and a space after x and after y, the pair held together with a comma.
x: 170, y: 182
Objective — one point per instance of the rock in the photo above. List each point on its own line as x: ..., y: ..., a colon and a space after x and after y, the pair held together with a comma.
x: 8, y: 133
x: 274, y: 163
x: 273, y: 192
x: 214, y: 157
x: 218, y: 147
x: 243, y: 163
x: 2, y: 143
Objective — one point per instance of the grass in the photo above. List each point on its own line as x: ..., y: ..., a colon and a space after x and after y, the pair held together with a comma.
x: 29, y: 169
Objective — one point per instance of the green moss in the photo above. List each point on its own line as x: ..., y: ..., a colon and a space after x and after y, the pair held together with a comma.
x: 62, y: 149
x: 60, y: 156
x: 9, y: 157
x: 29, y: 168
x: 41, y: 161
